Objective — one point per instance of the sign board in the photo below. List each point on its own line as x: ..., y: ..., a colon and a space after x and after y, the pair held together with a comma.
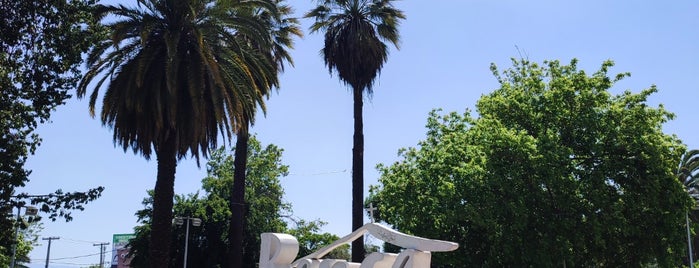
x: 119, y: 250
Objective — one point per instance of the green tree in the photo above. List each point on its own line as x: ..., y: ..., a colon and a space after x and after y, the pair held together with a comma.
x: 354, y: 48
x: 41, y: 44
x: 27, y: 238
x: 265, y: 213
x: 179, y: 73
x: 556, y: 171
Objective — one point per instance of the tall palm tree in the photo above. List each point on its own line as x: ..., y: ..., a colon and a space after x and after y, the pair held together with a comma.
x: 178, y: 76
x: 688, y: 174
x: 282, y: 28
x: 354, y: 48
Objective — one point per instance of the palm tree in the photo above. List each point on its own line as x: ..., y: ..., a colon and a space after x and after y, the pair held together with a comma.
x: 282, y: 29
x: 178, y: 75
x: 688, y: 174
x: 354, y: 48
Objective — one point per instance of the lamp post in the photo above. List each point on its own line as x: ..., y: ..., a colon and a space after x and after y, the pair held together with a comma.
x: 29, y: 211
x: 195, y: 222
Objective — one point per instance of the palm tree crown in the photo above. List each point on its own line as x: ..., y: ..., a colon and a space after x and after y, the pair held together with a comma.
x: 180, y: 69
x: 354, y: 30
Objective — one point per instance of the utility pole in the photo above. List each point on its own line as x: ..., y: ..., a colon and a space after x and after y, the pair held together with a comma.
x: 48, y: 251
x: 101, y: 252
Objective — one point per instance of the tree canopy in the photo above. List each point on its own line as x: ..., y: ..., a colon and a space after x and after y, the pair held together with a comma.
x: 41, y: 44
x: 555, y: 171
x: 41, y: 47
x: 266, y: 212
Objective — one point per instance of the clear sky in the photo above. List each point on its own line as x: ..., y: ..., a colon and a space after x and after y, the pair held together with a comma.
x: 446, y: 49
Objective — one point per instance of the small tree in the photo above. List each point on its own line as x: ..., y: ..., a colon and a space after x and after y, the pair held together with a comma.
x: 264, y: 208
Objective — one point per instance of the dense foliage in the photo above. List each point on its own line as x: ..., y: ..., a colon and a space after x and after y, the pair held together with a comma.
x: 556, y: 171
x: 41, y: 43
x: 41, y: 47
x: 265, y: 209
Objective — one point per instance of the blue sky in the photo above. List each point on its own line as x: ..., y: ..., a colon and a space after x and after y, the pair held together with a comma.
x: 446, y: 50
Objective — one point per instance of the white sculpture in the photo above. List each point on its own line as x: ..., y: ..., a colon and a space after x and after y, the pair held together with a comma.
x: 279, y: 250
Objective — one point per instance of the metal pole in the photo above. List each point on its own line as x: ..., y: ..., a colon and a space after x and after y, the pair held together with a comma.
x: 48, y: 250
x: 14, y: 245
x: 689, y: 241
x: 186, y: 243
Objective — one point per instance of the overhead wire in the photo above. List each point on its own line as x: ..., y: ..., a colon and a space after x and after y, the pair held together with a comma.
x: 318, y: 173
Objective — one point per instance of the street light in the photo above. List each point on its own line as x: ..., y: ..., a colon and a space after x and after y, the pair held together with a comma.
x: 195, y: 222
x: 29, y: 211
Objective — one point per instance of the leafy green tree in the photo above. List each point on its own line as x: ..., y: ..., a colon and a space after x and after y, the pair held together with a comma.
x: 179, y: 73
x: 556, y: 171
x: 266, y: 212
x: 354, y: 48
x: 41, y: 47
x: 27, y: 238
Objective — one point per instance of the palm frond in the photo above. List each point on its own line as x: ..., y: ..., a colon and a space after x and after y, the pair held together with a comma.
x: 353, y: 33
x: 195, y: 69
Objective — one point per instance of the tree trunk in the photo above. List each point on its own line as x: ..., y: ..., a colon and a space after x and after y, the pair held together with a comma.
x: 237, y: 201
x: 161, y: 234
x: 358, y: 175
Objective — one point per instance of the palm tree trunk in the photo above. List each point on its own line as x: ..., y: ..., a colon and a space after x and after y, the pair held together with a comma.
x: 160, y: 238
x: 237, y: 201
x: 358, y: 175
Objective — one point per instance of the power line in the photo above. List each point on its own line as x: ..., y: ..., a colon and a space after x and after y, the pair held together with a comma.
x: 72, y: 263
x: 75, y: 257
x: 318, y: 173
x: 79, y: 241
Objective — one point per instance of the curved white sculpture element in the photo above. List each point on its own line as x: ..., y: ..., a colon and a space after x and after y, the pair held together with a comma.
x: 388, y: 235
x: 379, y: 260
x: 279, y: 250
x: 308, y: 263
x: 411, y: 258
x: 330, y: 263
